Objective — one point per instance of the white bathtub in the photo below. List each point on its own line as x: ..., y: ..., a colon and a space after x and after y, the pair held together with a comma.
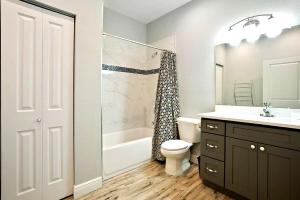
x: 125, y: 150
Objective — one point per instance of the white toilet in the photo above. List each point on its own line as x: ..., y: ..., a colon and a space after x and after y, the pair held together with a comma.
x: 177, y: 151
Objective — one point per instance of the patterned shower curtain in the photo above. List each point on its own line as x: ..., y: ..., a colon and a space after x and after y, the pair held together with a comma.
x: 166, y: 104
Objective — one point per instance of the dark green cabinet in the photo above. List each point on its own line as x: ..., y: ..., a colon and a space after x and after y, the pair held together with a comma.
x: 241, y: 167
x: 278, y: 173
x: 253, y: 161
x: 264, y: 172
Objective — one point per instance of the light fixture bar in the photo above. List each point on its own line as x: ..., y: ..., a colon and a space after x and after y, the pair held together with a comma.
x: 250, y: 18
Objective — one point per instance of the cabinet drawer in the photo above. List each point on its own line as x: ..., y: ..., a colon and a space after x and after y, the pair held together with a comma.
x: 213, y: 126
x: 212, y: 170
x: 212, y: 145
x: 273, y: 136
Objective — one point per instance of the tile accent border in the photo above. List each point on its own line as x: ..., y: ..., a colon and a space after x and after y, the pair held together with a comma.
x: 129, y: 70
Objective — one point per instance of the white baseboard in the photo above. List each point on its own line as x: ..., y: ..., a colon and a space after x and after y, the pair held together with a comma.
x: 87, y: 187
x: 108, y: 176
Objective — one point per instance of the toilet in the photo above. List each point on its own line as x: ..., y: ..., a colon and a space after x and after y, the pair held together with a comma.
x: 177, y: 152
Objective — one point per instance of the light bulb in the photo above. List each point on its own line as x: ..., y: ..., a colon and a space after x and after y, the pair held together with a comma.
x: 235, y: 42
x: 273, y: 28
x: 273, y: 32
x: 235, y: 37
x: 252, y: 33
x: 252, y: 36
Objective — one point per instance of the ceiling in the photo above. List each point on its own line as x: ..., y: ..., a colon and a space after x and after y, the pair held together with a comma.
x: 144, y: 11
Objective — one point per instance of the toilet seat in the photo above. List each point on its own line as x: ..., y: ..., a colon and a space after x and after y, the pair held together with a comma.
x: 175, y: 145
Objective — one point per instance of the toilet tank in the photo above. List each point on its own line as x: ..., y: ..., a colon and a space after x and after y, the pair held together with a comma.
x: 189, y: 129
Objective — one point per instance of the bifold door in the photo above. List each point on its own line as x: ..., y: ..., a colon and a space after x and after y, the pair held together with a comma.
x: 36, y: 103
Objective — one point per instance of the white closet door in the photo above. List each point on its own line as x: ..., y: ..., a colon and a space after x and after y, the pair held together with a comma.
x: 36, y: 103
x: 21, y: 96
x: 57, y: 106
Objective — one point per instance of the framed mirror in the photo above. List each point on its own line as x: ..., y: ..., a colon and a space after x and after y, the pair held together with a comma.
x: 267, y: 70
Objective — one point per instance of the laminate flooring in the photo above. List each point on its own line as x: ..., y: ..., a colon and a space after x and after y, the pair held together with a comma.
x: 150, y: 182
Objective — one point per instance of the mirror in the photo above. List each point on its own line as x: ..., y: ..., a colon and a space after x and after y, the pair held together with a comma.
x: 267, y: 70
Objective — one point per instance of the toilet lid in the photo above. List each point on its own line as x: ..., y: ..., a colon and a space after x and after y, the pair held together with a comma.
x: 173, y: 145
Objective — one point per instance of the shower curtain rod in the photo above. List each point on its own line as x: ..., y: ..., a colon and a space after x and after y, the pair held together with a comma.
x: 132, y: 41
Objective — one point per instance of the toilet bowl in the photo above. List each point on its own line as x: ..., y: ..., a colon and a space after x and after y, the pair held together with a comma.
x: 177, y: 151
x: 177, y: 156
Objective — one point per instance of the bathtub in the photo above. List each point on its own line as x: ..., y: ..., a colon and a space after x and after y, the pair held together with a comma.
x: 126, y: 150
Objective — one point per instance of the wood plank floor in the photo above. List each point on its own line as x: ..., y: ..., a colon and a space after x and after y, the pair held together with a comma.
x: 150, y: 182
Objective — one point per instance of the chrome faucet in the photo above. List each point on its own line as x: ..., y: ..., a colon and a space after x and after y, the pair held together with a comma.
x: 266, y: 110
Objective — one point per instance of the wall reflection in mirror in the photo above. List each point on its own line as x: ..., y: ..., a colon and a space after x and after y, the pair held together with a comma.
x: 267, y: 70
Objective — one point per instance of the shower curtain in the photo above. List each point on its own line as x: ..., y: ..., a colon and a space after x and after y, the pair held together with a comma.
x: 166, y: 104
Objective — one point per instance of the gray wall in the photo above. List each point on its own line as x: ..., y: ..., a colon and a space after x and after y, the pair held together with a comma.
x: 87, y: 124
x: 123, y: 26
x: 196, y: 25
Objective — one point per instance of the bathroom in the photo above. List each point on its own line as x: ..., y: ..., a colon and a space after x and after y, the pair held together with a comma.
x: 172, y: 99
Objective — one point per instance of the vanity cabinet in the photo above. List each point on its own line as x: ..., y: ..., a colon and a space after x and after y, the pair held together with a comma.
x: 260, y: 162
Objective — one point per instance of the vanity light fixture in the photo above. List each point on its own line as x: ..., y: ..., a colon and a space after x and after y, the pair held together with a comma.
x: 253, y: 20
x: 252, y: 27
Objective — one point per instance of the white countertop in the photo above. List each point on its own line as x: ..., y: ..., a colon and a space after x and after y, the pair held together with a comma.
x: 286, y: 122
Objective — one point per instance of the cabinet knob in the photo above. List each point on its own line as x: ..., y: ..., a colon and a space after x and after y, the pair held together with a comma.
x: 262, y: 148
x: 252, y: 146
x: 38, y: 120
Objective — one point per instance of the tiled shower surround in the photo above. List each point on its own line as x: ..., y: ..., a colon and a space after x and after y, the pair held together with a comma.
x: 128, y: 101
x: 129, y: 81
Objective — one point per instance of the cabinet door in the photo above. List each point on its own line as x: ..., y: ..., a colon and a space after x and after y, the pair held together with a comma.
x: 278, y: 173
x: 241, y: 167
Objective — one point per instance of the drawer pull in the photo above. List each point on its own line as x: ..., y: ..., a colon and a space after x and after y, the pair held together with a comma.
x: 212, y: 146
x: 213, y: 171
x: 252, y: 146
x: 210, y: 126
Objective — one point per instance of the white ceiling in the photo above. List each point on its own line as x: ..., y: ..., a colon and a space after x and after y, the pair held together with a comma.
x: 144, y: 11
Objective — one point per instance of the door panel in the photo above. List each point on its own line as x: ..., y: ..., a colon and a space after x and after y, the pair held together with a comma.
x: 54, y: 65
x: 58, y: 110
x: 21, y: 73
x: 278, y: 174
x: 26, y: 65
x: 55, y: 154
x: 241, y: 167
x: 281, y: 84
x: 26, y: 161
